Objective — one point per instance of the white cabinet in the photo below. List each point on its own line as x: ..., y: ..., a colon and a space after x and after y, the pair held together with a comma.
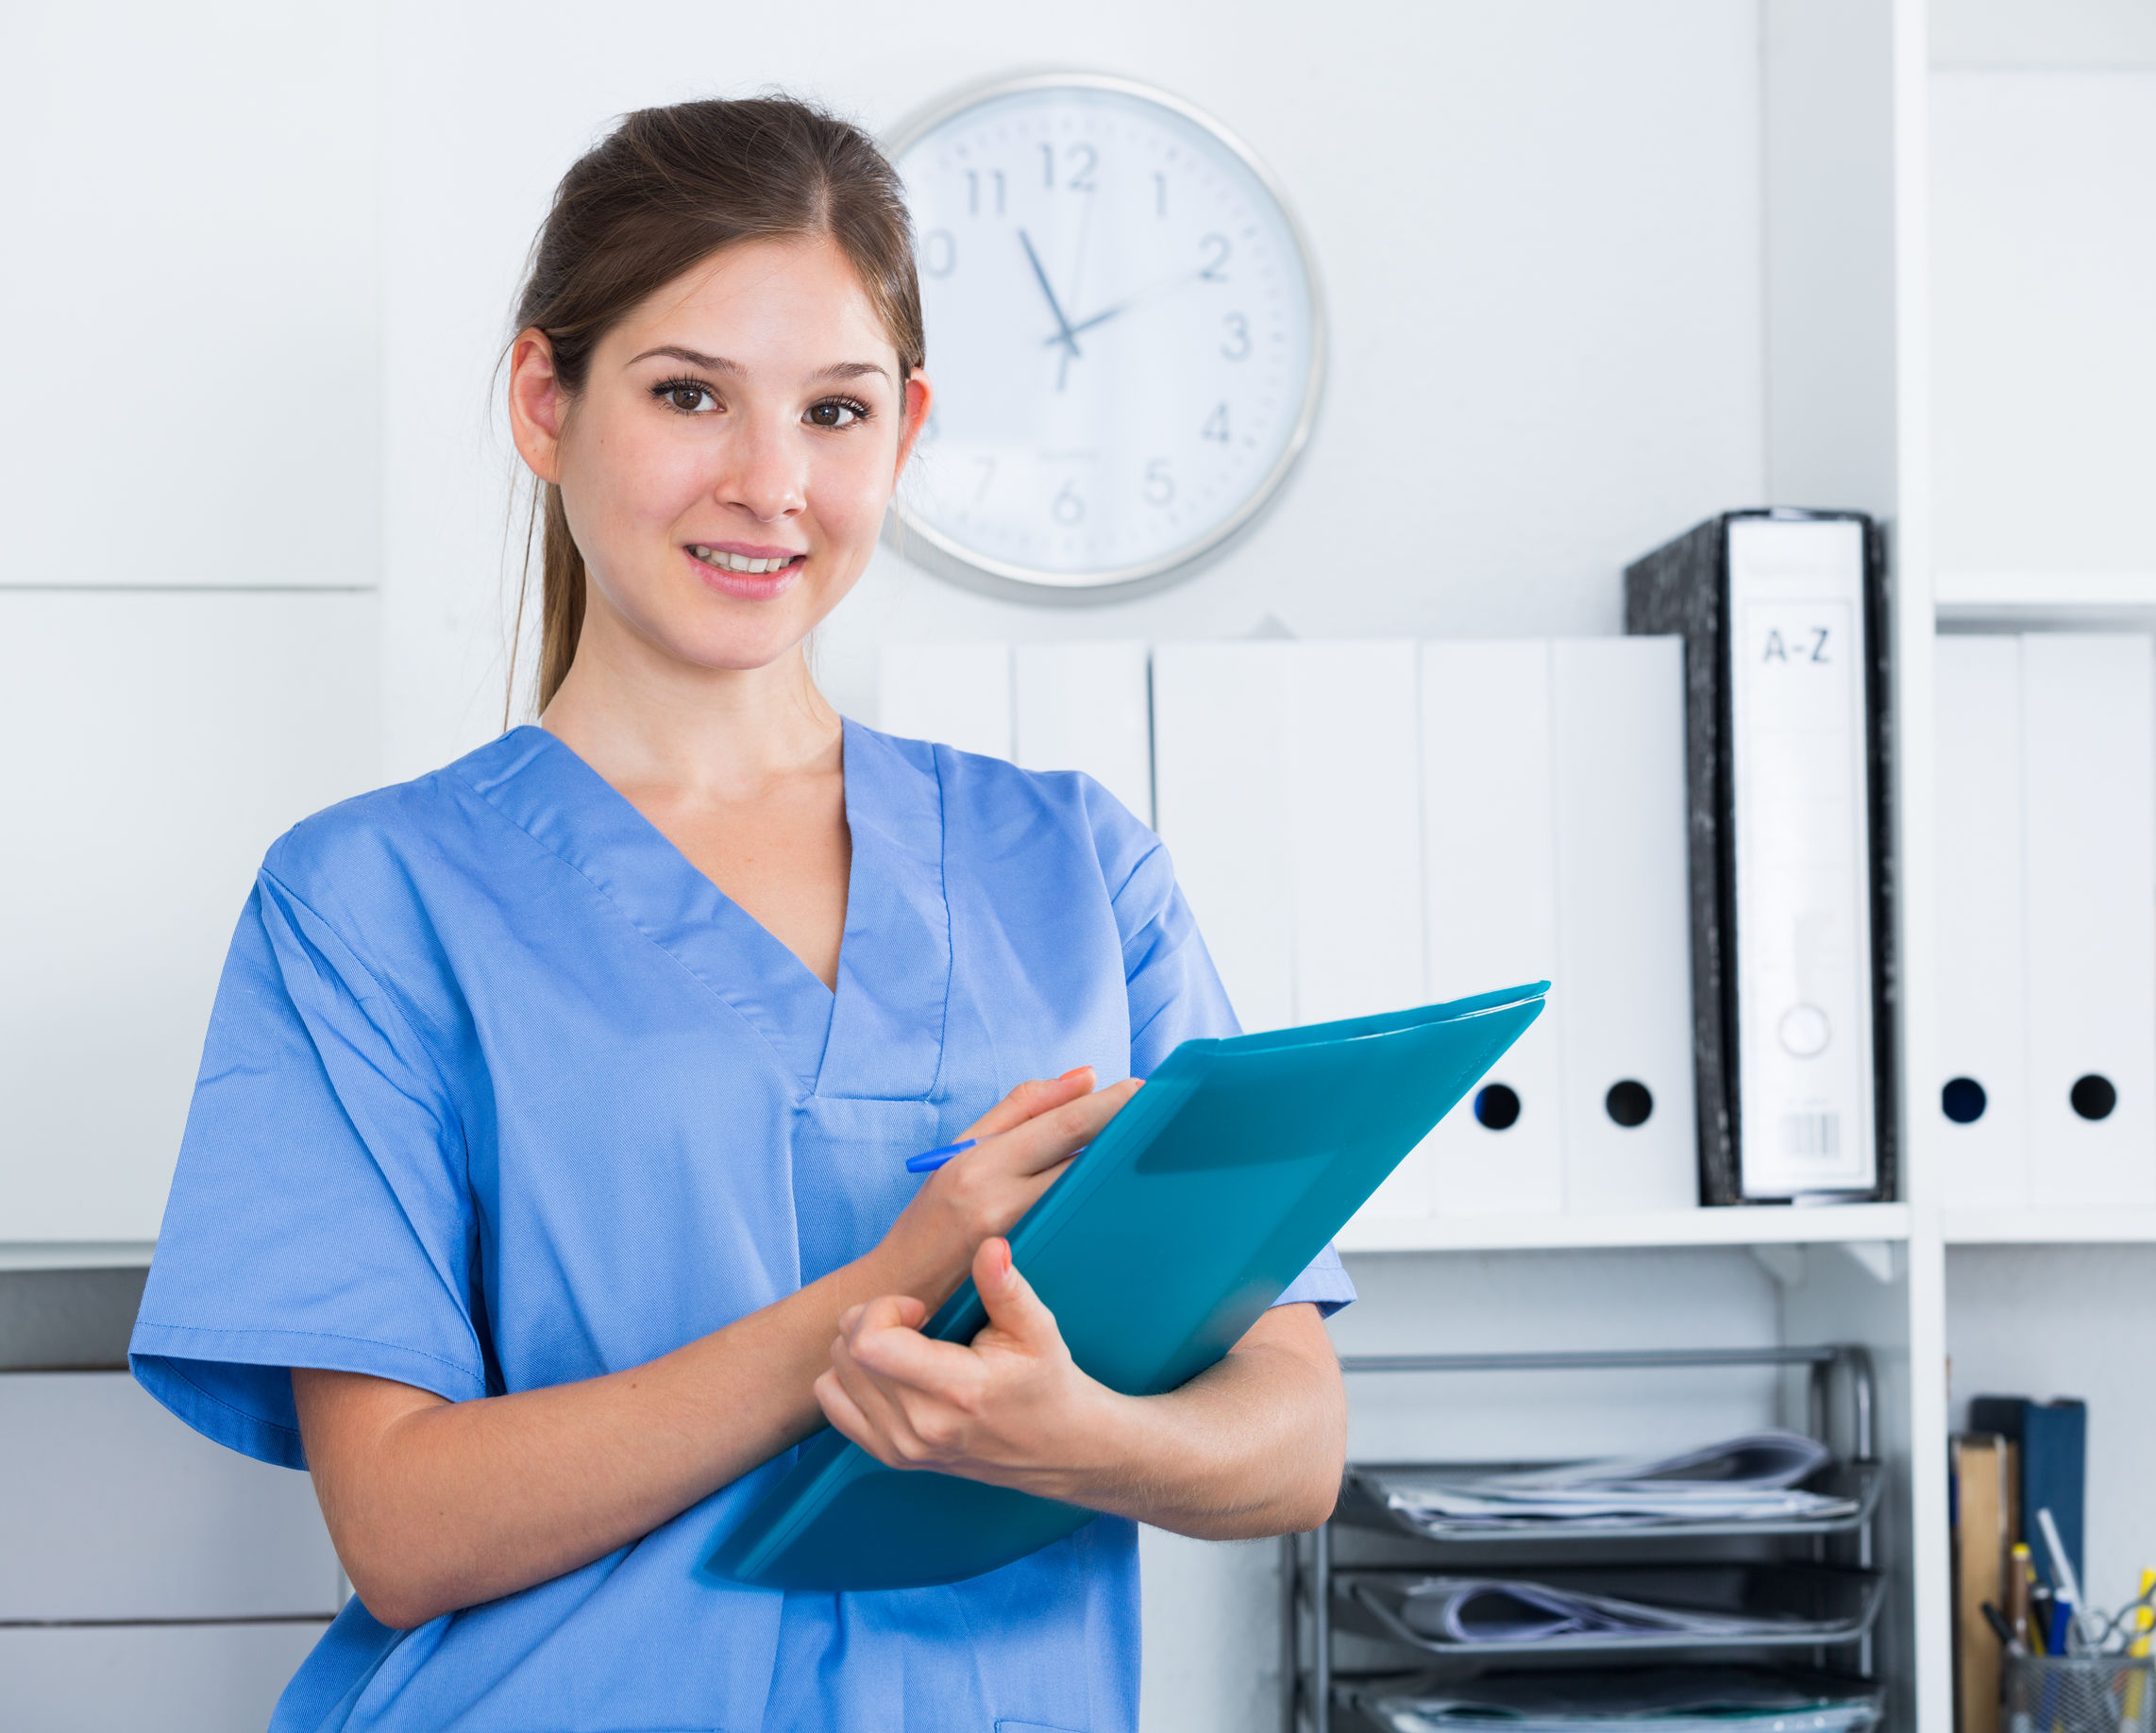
x: 193, y: 278
x: 155, y: 743
x: 112, y: 1510
x: 204, y: 1679
x: 2043, y: 351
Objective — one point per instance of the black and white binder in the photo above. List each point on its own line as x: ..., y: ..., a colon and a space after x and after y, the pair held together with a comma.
x: 1783, y: 618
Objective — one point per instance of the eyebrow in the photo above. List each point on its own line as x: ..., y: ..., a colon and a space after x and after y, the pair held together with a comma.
x: 718, y: 363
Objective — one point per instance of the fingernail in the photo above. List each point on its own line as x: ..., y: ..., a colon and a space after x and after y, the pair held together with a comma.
x: 1073, y: 1071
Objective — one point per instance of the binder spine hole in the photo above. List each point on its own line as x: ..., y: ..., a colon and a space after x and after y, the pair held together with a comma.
x: 1964, y: 1100
x: 1496, y: 1106
x: 2092, y: 1097
x: 1629, y: 1101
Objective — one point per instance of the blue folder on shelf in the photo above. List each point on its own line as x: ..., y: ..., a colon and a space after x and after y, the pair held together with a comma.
x: 1157, y: 1248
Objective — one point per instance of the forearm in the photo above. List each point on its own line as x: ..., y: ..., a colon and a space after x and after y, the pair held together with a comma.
x: 1253, y: 1446
x: 434, y: 1504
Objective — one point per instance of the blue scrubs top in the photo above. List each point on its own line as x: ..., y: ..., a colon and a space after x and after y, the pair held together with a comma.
x: 501, y: 1092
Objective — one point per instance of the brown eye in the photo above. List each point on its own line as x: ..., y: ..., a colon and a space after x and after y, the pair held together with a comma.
x: 690, y: 399
x: 834, y: 413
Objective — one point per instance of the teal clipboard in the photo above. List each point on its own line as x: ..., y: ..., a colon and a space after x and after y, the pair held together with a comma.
x: 1158, y: 1248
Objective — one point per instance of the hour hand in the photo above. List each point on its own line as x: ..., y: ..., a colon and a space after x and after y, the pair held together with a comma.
x: 1064, y: 334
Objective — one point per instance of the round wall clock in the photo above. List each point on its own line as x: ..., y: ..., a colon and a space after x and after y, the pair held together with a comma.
x: 1124, y: 331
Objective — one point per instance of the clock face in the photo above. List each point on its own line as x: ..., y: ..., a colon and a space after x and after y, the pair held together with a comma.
x: 1123, y: 333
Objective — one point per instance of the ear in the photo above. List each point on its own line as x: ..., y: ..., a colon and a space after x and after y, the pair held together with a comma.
x: 920, y: 394
x: 538, y: 407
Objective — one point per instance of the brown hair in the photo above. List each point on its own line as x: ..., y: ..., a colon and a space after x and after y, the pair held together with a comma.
x: 661, y: 192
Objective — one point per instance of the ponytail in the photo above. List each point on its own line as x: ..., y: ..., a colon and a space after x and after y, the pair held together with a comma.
x: 561, y: 596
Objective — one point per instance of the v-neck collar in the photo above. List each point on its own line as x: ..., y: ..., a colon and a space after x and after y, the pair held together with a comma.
x: 880, y: 1032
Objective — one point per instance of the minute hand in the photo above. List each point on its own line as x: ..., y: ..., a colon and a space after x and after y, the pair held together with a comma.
x: 1129, y: 301
x: 1064, y: 334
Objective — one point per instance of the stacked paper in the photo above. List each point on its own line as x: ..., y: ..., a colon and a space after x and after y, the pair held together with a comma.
x: 1662, y: 1700
x: 1749, y: 1478
x: 1487, y: 1609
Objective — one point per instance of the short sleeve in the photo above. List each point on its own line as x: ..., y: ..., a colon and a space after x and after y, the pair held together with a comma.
x: 319, y: 1215
x: 1176, y: 996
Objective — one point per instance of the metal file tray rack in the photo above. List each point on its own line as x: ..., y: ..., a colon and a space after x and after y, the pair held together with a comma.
x: 1830, y: 1607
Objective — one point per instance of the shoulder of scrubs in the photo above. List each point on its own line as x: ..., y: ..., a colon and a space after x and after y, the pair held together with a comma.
x: 320, y: 1211
x: 1175, y: 992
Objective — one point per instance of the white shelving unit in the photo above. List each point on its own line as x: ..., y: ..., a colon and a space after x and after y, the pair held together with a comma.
x: 1855, y: 1223
x: 2017, y: 597
x: 2048, y: 1228
x: 2040, y: 1299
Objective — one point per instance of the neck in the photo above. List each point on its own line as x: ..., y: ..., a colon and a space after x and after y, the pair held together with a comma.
x: 642, y: 718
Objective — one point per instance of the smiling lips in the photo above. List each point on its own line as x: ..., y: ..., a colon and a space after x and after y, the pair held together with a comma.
x: 720, y: 559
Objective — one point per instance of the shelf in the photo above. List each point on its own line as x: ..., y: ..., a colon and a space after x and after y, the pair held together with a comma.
x: 75, y: 1254
x: 2011, y: 598
x: 2026, y: 1226
x: 1761, y: 1225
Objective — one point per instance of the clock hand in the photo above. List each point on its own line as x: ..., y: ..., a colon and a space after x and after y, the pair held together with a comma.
x: 1065, y: 335
x: 1129, y: 301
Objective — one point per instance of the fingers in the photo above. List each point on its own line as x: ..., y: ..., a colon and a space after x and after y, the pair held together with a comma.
x: 1051, y: 1137
x: 898, y: 1395
x: 882, y: 1337
x: 1012, y: 1305
x: 885, y: 1312
x: 879, y: 1413
x: 844, y: 1413
x: 905, y: 1356
x: 1034, y: 1097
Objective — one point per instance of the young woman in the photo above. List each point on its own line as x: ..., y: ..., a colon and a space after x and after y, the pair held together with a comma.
x: 545, y: 1183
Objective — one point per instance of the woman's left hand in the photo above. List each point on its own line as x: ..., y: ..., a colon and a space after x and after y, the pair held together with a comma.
x: 1011, y: 1408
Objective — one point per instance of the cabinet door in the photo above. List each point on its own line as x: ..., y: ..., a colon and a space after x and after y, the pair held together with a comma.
x: 212, y: 1678
x: 112, y: 1509
x: 2044, y: 355
x: 1219, y: 791
x: 155, y: 744
x: 194, y: 271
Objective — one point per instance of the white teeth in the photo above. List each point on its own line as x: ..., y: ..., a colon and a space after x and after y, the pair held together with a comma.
x: 738, y: 563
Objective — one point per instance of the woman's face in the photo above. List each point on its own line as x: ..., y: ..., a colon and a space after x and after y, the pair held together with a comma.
x: 725, y: 466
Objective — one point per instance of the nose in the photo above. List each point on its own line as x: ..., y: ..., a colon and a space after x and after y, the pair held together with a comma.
x: 767, y: 472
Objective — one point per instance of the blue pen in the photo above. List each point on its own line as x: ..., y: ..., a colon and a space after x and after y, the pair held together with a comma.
x: 929, y: 1160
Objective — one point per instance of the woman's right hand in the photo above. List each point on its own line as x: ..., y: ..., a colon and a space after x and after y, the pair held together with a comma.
x: 1023, y: 1144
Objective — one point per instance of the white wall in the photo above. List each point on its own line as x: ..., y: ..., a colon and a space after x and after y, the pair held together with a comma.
x: 1538, y: 225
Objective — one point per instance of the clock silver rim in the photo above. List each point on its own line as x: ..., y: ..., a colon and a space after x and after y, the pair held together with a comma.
x: 952, y: 559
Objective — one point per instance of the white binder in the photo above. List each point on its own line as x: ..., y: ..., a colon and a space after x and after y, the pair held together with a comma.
x: 1803, y: 851
x: 1220, y: 796
x: 1353, y: 831
x: 1087, y: 707
x: 1623, y: 924
x: 1982, y: 1089
x: 957, y: 695
x: 2089, y: 782
x: 1490, y: 903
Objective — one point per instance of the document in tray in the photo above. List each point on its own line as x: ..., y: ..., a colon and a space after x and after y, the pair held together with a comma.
x: 1486, y: 1610
x: 1622, y: 1700
x: 1749, y: 1478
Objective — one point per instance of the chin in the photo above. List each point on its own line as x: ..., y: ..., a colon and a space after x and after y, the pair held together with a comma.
x: 737, y: 647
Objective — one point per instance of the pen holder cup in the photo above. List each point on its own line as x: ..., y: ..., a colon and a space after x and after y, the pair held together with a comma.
x: 2080, y: 1693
